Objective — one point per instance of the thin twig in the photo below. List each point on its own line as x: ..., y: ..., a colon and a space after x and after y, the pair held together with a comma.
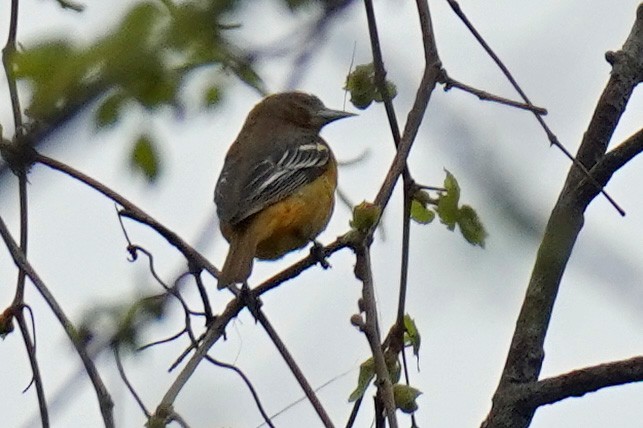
x: 553, y: 139
x: 526, y: 351
x: 132, y: 211
x: 294, y: 368
x: 196, y: 273
x: 354, y: 411
x: 104, y: 399
x: 67, y: 4
x: 363, y: 271
x: 251, y: 388
x: 303, y: 397
x: 35, y: 370
x: 350, y: 69
x: 413, y: 120
x: 398, y: 167
x: 7, y: 52
x: 18, y: 301
x: 616, y: 158
x: 380, y: 72
x: 217, y: 329
x: 450, y: 83
x: 212, y: 335
x: 404, y: 273
x: 130, y: 387
x: 161, y: 341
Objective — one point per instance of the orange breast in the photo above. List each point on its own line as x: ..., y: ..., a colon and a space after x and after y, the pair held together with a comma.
x: 296, y: 220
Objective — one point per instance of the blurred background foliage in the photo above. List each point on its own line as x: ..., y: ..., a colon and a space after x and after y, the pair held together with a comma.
x: 146, y: 60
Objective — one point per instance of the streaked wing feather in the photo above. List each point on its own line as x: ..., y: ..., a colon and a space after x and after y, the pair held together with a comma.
x: 273, y: 180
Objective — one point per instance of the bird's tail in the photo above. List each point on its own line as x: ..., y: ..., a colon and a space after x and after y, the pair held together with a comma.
x: 238, y: 262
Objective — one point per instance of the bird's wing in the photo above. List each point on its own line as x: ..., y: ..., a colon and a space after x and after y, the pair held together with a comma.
x: 270, y: 179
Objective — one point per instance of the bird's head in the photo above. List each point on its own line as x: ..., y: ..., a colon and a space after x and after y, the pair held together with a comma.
x: 300, y: 109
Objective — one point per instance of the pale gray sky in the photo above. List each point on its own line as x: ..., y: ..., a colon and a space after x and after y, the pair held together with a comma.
x: 465, y: 300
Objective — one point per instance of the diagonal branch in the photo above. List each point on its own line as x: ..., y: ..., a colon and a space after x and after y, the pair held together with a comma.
x: 251, y: 388
x: 294, y: 368
x: 104, y: 399
x: 526, y: 353
x: 553, y: 139
x: 450, y: 83
x: 196, y: 259
x: 18, y: 302
x: 618, y: 157
x: 132, y: 211
x: 371, y: 329
x: 580, y: 382
x: 398, y: 167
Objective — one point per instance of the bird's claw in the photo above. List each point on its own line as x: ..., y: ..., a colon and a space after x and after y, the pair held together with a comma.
x: 319, y: 253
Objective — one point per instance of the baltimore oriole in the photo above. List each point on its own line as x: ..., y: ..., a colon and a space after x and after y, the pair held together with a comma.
x: 276, y: 191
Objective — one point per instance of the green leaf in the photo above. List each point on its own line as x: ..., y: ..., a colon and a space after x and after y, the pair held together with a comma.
x: 147, y: 57
x: 363, y: 88
x: 391, y: 90
x: 411, y: 334
x: 107, y: 113
x: 405, y: 397
x: 247, y: 74
x: 448, y: 202
x: 366, y: 375
x: 212, y: 96
x: 145, y: 159
x: 365, y: 216
x: 420, y: 213
x: 471, y: 227
x: 58, y: 74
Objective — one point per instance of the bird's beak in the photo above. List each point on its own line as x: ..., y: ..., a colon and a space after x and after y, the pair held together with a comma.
x: 328, y: 115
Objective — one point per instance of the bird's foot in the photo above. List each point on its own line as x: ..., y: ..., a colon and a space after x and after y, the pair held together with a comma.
x: 250, y: 300
x: 319, y: 253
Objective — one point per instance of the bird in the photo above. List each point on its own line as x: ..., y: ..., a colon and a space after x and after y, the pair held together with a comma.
x: 276, y: 190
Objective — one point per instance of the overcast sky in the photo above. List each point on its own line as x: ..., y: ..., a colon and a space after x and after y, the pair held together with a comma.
x: 465, y: 300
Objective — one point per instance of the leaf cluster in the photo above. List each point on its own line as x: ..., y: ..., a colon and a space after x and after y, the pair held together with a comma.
x: 448, y: 209
x: 405, y: 396
x: 363, y: 87
x: 144, y: 61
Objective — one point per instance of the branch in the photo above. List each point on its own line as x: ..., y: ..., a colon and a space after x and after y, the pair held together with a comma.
x: 553, y: 139
x: 526, y: 354
x: 104, y: 399
x: 432, y: 64
x: 580, y: 382
x: 212, y: 335
x: 371, y: 329
x: 251, y: 388
x: 295, y: 269
x: 294, y: 368
x: 18, y: 301
x: 380, y: 72
x: 123, y: 375
x: 195, y: 259
x: 35, y: 370
x: 217, y: 329
x: 398, y: 167
x: 413, y: 122
x: 7, y: 52
x: 132, y: 211
x: 450, y: 83
x: 617, y: 158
